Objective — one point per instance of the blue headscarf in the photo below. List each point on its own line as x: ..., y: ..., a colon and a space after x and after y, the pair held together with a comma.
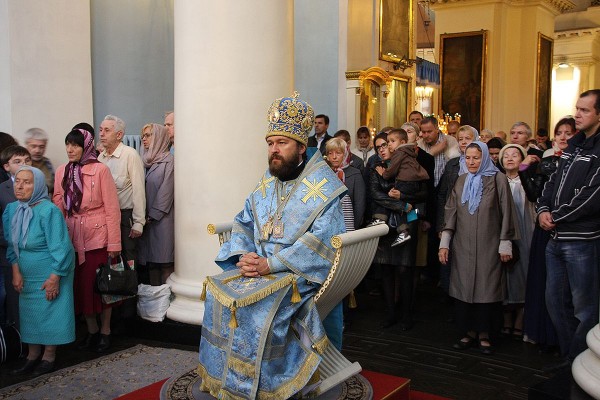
x: 474, y: 184
x: 462, y: 165
x: 20, y: 222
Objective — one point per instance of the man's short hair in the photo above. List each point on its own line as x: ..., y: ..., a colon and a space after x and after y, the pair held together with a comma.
x: 495, y: 143
x: 325, y: 117
x: 400, y: 133
x: 430, y: 120
x: 386, y: 129
x: 169, y: 112
x: 119, y: 123
x: 524, y: 124
x: 35, y: 134
x: 12, y: 151
x: 595, y: 92
x: 344, y: 134
x: 415, y: 112
x: 542, y: 132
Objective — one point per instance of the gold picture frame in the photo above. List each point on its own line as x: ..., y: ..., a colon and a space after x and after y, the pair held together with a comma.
x: 395, y: 29
x: 543, y: 87
x: 463, y: 58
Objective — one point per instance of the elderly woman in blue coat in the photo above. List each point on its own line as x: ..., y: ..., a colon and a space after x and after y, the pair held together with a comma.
x: 42, y: 259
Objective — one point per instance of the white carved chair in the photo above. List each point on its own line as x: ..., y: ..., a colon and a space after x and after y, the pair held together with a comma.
x: 354, y: 253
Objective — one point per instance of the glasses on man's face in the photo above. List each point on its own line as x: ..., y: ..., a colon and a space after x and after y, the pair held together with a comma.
x: 146, y: 135
x: 383, y: 146
x: 19, y: 161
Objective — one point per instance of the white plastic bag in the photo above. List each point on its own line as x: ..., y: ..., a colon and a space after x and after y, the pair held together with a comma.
x: 153, y: 301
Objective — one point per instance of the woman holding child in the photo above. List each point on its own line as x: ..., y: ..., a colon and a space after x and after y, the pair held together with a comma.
x: 397, y: 263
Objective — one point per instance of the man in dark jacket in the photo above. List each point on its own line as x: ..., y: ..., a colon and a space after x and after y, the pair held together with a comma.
x: 320, y: 138
x: 570, y: 209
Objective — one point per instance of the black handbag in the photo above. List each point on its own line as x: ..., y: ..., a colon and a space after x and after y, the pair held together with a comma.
x: 117, y: 279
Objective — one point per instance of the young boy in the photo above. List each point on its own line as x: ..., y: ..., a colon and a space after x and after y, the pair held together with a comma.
x: 12, y: 158
x: 408, y: 175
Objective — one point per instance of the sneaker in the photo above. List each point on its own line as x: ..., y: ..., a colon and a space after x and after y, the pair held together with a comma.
x: 402, y: 237
x: 375, y: 222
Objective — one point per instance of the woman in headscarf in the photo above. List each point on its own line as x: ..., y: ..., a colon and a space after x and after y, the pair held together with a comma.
x: 85, y: 192
x: 353, y: 207
x: 538, y: 327
x: 465, y: 135
x: 511, y: 157
x: 339, y: 159
x: 478, y: 218
x: 157, y: 246
x: 42, y: 260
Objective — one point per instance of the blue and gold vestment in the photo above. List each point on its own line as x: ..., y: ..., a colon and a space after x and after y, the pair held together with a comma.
x: 274, y: 351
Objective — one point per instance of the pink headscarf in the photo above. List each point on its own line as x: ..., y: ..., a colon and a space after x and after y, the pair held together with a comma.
x: 159, y: 147
x: 72, y: 183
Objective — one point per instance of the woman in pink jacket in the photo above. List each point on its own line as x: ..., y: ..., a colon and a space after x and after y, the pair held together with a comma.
x: 85, y: 192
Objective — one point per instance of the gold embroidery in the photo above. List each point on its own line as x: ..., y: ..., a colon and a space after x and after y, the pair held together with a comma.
x: 242, y: 367
x: 314, y: 190
x: 295, y: 384
x: 263, y: 185
x: 224, y: 299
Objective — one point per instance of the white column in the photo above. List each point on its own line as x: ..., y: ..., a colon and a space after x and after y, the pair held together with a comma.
x: 586, y: 367
x: 232, y: 59
x: 352, y: 109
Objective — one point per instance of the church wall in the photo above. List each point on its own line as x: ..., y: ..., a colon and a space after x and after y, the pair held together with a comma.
x: 46, y: 76
x: 510, y: 91
x: 132, y: 55
x: 5, y: 99
x: 363, y: 40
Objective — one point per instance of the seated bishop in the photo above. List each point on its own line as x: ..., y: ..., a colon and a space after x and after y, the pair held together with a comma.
x: 262, y: 336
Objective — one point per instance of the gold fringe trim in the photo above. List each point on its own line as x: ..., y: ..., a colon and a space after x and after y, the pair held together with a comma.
x: 304, y: 377
x: 233, y: 321
x: 242, y: 367
x: 295, y: 384
x: 227, y: 301
x: 352, y: 300
x: 203, y: 294
x: 321, y: 345
x: 295, y: 293
x: 213, y: 386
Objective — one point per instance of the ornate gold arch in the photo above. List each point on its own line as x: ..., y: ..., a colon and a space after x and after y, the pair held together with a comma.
x: 376, y: 74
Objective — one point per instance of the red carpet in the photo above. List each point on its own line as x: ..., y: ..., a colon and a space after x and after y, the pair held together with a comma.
x: 385, y: 387
x: 149, y: 392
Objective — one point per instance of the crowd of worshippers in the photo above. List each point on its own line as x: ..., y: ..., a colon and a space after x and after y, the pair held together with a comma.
x: 509, y: 230
x: 108, y: 202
